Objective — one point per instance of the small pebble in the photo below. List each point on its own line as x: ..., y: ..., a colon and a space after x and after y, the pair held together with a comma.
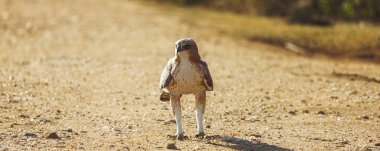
x: 53, y: 135
x: 365, y: 117
x: 171, y: 146
x: 321, y: 112
x: 24, y: 116
x: 353, y: 92
x: 256, y: 135
x: 343, y: 142
x: 30, y: 135
x: 292, y: 112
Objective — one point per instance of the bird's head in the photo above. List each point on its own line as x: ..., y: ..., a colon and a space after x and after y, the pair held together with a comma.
x: 187, y: 48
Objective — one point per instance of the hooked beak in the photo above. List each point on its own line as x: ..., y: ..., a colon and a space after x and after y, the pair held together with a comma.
x: 183, y: 48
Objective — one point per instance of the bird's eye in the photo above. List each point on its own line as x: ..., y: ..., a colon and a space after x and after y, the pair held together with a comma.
x: 187, y: 46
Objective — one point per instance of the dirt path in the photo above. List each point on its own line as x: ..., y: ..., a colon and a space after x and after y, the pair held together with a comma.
x: 90, y: 74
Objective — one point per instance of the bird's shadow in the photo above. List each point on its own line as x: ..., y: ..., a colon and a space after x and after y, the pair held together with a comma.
x: 241, y: 144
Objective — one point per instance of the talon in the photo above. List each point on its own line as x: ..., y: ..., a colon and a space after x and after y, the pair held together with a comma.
x: 200, y: 135
x: 180, y: 137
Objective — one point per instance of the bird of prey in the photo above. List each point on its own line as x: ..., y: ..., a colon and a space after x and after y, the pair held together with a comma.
x: 186, y: 73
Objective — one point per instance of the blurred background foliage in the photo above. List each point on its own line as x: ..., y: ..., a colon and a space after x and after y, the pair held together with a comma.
x: 337, y: 28
x: 318, y: 12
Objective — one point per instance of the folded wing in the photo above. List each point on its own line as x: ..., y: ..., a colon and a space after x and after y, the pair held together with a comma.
x: 166, y: 77
x: 208, y: 80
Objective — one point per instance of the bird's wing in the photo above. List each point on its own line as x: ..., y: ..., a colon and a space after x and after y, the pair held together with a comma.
x: 166, y: 76
x: 208, y: 79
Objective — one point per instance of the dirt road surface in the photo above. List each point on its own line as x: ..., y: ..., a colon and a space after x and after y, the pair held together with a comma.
x: 84, y: 75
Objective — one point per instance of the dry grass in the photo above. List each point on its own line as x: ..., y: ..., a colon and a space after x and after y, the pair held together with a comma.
x: 354, y: 40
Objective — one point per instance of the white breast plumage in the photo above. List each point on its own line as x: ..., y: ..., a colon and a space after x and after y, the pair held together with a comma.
x: 188, y: 79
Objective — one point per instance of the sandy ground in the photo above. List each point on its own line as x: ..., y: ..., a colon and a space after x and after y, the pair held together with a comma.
x: 84, y: 75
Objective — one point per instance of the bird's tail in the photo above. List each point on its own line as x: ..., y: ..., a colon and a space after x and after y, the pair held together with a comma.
x: 165, y: 97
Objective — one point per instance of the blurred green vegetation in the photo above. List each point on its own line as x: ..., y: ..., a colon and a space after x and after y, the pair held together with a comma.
x: 318, y: 12
x: 350, y: 36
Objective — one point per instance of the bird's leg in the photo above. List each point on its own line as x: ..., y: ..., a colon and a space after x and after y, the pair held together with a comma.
x: 200, y: 105
x: 176, y: 108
